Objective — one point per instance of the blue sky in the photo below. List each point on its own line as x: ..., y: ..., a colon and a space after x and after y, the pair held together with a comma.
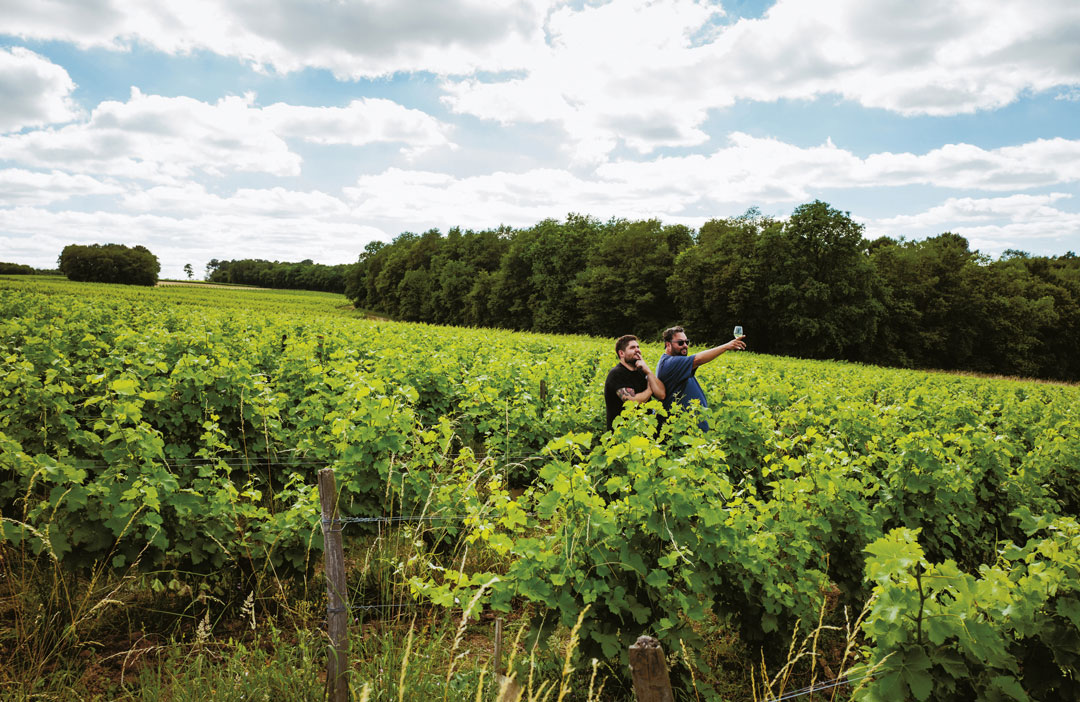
x: 293, y: 129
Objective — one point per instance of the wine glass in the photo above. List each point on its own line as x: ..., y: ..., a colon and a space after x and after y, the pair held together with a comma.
x: 738, y: 331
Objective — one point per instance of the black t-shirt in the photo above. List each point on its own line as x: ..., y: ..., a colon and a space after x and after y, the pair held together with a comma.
x: 620, y: 377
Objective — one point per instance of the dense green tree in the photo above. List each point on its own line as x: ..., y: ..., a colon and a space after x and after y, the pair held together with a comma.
x: 356, y: 278
x: 819, y: 285
x: 895, y: 265
x: 109, y: 263
x: 477, y: 309
x: 718, y: 283
x: 805, y: 287
x: 945, y: 285
x: 455, y: 268
x: 623, y: 287
x: 556, y: 253
x: 507, y: 302
x: 950, y: 307
x: 1034, y: 315
x: 389, y: 266
x: 415, y: 296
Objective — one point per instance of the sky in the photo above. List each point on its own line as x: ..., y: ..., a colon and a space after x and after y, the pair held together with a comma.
x: 305, y: 129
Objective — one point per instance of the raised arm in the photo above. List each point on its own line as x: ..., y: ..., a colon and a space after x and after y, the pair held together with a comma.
x: 703, y: 357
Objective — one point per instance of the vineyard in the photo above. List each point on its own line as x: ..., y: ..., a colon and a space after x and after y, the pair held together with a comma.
x: 164, y: 443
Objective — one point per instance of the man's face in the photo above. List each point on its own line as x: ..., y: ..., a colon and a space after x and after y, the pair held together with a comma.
x: 631, y: 354
x: 678, y: 345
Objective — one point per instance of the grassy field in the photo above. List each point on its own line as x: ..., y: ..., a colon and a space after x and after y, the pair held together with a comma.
x: 161, y: 536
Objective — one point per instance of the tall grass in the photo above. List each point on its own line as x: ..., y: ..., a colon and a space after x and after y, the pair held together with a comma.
x: 108, y: 636
x: 50, y: 614
x: 100, y: 634
x: 88, y: 639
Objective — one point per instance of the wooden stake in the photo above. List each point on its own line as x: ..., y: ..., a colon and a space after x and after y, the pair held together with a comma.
x: 337, y: 604
x: 498, y: 647
x: 509, y: 689
x: 649, y: 669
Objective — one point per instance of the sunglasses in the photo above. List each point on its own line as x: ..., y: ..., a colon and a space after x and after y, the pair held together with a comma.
x: 681, y: 342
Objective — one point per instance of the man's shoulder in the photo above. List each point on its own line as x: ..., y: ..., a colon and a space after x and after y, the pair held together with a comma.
x: 620, y: 371
x: 668, y: 363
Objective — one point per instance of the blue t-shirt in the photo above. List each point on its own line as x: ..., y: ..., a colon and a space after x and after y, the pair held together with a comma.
x: 677, y: 375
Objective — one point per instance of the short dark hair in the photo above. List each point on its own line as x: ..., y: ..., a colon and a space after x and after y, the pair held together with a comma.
x: 623, y: 341
x: 670, y: 333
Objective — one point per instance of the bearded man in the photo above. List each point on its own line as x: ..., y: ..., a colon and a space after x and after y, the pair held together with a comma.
x: 677, y: 371
x: 630, y: 380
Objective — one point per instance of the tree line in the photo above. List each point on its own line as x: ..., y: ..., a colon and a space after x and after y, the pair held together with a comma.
x: 8, y: 268
x: 16, y: 269
x: 305, y: 275
x: 811, y: 286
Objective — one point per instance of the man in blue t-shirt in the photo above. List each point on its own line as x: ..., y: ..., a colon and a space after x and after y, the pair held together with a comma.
x: 676, y: 370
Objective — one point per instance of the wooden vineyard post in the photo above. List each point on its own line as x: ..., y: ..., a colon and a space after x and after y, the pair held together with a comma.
x: 337, y: 606
x: 509, y: 689
x: 649, y: 669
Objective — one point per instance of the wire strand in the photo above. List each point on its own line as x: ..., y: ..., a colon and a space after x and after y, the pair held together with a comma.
x: 845, y: 680
x: 261, y: 462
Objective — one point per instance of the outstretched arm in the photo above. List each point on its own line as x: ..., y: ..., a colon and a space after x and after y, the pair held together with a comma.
x: 703, y: 357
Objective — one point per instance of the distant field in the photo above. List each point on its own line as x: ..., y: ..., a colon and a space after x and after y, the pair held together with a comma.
x: 204, y: 284
x: 165, y: 442
x: 205, y: 295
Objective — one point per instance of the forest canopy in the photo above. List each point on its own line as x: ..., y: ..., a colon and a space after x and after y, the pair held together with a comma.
x: 811, y: 286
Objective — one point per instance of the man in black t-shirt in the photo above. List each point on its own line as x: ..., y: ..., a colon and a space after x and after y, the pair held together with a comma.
x: 630, y: 379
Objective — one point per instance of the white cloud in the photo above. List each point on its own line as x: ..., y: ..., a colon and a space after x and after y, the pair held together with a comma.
x: 751, y: 169
x: 33, y: 90
x: 419, y: 199
x: 611, y: 72
x: 635, y: 71
x: 361, y: 122
x: 193, y: 200
x: 359, y: 38
x: 159, y: 138
x: 992, y: 224
x: 167, y: 139
x: 976, y: 210
x: 644, y: 73
x: 21, y: 187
